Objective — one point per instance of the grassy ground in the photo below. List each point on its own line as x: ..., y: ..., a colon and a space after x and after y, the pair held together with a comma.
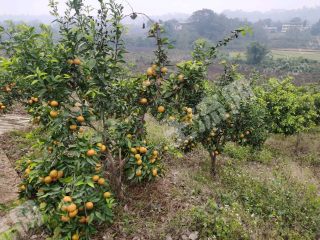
x: 270, y: 194
x: 267, y: 194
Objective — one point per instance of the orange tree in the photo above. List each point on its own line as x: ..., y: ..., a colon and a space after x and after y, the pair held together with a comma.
x: 229, y: 112
x: 91, y: 111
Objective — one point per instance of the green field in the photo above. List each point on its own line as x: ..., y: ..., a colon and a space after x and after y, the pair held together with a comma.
x: 296, y: 53
x: 284, y: 53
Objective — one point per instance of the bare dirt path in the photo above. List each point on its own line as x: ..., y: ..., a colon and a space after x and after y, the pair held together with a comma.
x: 9, y: 179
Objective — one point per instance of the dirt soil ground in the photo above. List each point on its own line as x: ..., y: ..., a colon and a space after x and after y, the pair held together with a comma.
x: 9, y: 178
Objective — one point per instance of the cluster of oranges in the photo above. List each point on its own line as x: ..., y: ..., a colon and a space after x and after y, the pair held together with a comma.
x: 33, y: 100
x: 187, y: 144
x: 72, y: 210
x: 80, y: 120
x: 75, y: 61
x: 152, y: 71
x: 99, y: 180
x: 53, y: 176
x: 212, y: 134
x: 189, y: 115
x: 8, y: 88
x: 138, y: 153
x: 54, y: 104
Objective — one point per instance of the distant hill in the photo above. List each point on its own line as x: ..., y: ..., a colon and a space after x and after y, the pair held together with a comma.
x: 48, y: 18
x: 27, y: 18
x: 312, y: 15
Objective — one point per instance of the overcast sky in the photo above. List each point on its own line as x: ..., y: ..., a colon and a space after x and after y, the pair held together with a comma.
x: 158, y: 7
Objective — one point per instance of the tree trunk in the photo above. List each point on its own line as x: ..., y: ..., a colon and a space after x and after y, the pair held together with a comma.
x: 298, y: 141
x: 213, y: 163
x: 115, y: 169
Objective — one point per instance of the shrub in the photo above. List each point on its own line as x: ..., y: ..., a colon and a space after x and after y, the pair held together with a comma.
x: 289, y: 108
x: 219, y: 222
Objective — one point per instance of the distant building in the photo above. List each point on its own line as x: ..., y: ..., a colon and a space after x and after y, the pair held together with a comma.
x: 295, y: 28
x: 179, y: 26
x: 271, y: 29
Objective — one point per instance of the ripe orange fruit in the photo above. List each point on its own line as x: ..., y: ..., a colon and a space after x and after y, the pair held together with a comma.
x: 150, y: 71
x: 76, y: 61
x: 27, y: 171
x: 82, y: 219
x: 72, y: 207
x: 54, y: 114
x: 50, y: 149
x: 143, y: 101
x: 98, y: 167
x: 139, y: 162
x: 65, y: 219
x: 189, y: 110
x: 95, y: 178
x: 64, y: 208
x: 181, y: 77
x: 80, y: 119
x: 155, y: 153
x: 53, y: 174
x: 73, y: 213
x: 137, y: 156
x: 91, y: 152
x: 103, y: 148
x: 107, y: 194
x: 146, y: 83
x: 161, y: 109
x: 67, y: 199
x: 143, y: 150
x: 155, y: 172
x: 129, y: 136
x: 101, y: 181
x: 60, y: 174
x: 138, y: 173
x: 30, y: 102
x: 73, y: 127
x: 54, y: 104
x: 75, y: 237
x: 89, y: 205
x: 47, y: 180
x: 164, y: 70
